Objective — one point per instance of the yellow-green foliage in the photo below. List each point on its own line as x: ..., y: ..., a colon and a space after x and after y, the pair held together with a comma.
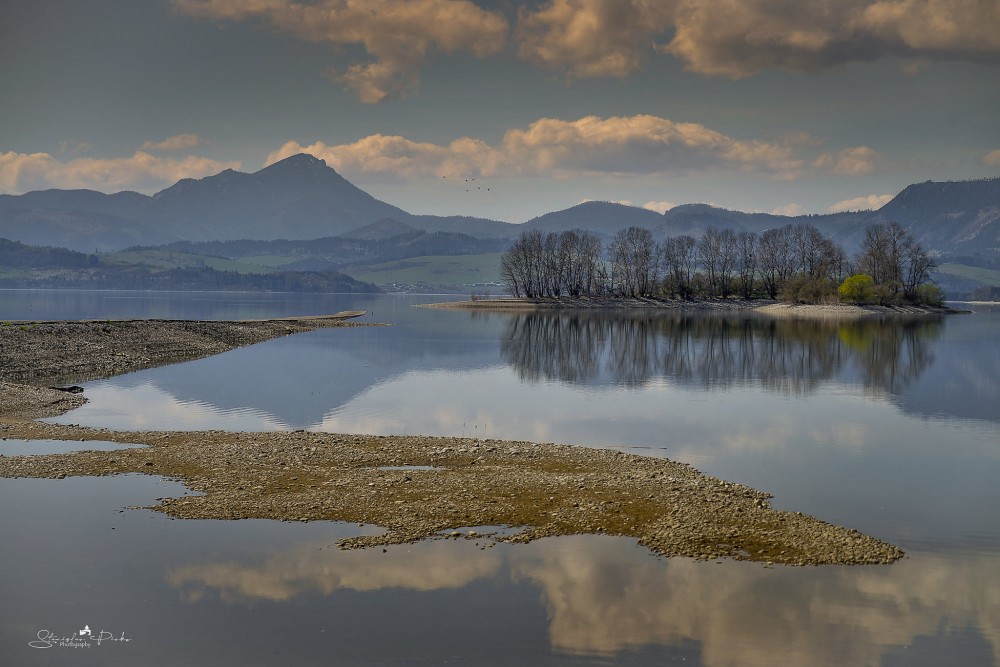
x: 858, y: 288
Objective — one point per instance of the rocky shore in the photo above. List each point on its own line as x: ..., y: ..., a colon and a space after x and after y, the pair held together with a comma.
x: 415, y: 487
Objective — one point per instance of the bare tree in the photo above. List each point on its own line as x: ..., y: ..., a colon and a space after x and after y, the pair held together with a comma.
x: 727, y: 261
x: 521, y: 265
x: 680, y: 258
x: 894, y: 259
x: 634, y: 262
x: 746, y: 262
x: 710, y: 257
x: 773, y: 259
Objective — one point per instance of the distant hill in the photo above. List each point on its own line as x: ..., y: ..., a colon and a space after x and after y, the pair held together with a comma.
x: 347, y: 250
x: 385, y: 228
x: 299, y: 197
x: 958, y: 217
x: 601, y: 217
x: 27, y: 266
x: 482, y: 228
x: 296, y: 198
x: 845, y: 228
x: 302, y: 198
x: 950, y: 218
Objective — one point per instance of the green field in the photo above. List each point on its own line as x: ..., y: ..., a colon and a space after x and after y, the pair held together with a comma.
x: 986, y: 276
x: 165, y: 259
x: 441, y: 271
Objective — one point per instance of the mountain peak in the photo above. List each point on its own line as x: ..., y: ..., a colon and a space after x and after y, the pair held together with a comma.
x: 299, y: 161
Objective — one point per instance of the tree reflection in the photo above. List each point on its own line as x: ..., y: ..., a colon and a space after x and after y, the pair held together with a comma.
x: 791, y: 356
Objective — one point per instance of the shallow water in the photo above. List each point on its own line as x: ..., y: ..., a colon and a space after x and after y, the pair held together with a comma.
x: 16, y: 447
x: 892, y: 428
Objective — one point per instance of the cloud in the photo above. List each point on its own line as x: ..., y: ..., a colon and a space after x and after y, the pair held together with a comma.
x: 738, y: 38
x: 398, y: 34
x: 869, y: 203
x: 853, y: 161
x: 178, y: 142
x: 659, y: 206
x: 954, y: 28
x: 592, y: 37
x: 791, y: 209
x: 393, y: 154
x: 560, y: 148
x: 992, y: 159
x: 618, y: 145
x: 21, y: 172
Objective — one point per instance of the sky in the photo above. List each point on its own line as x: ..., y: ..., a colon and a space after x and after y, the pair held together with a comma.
x: 757, y: 105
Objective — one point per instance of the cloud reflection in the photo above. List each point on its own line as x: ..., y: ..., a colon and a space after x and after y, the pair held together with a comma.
x: 148, y: 407
x: 319, y: 568
x: 605, y: 596
x: 747, y: 616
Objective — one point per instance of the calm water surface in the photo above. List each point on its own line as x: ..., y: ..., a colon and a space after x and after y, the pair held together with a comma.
x: 889, y: 427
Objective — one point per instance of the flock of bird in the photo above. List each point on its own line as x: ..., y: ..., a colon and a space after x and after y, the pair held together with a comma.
x: 472, y: 181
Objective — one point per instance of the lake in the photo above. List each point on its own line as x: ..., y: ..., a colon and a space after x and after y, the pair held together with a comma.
x: 888, y: 426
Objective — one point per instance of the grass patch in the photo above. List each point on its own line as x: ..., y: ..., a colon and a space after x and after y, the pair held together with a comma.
x: 271, y: 261
x: 986, y: 276
x: 434, y: 271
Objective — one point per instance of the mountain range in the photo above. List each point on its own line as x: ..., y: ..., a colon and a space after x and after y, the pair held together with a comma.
x: 302, y: 198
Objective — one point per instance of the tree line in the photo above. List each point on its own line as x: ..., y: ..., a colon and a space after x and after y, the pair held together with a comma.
x: 793, y: 263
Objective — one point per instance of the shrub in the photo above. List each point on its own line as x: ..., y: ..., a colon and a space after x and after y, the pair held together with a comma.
x: 859, y: 288
x: 930, y: 294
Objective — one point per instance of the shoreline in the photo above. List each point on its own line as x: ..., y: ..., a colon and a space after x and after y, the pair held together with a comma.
x: 762, y: 306
x: 71, y: 351
x: 415, y: 487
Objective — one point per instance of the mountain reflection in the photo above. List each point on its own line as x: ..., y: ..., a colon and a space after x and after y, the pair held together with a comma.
x: 717, y: 351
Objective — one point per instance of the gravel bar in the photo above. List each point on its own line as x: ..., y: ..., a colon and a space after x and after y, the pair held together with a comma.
x: 414, y: 487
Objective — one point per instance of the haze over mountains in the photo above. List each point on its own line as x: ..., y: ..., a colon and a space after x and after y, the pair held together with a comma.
x: 301, y: 198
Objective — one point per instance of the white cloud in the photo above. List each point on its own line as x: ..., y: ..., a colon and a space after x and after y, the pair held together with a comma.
x: 178, y: 142
x: 854, y: 161
x: 22, y: 172
x: 556, y: 148
x: 659, y: 206
x: 992, y: 159
x: 398, y: 34
x: 791, y: 209
x: 867, y: 203
x: 636, y: 144
x: 392, y: 154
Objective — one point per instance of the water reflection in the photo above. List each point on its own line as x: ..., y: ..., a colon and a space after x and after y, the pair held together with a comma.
x: 604, y: 596
x: 311, y: 568
x: 790, y: 356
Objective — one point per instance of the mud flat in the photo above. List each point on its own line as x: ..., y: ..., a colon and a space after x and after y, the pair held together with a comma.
x: 416, y: 487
